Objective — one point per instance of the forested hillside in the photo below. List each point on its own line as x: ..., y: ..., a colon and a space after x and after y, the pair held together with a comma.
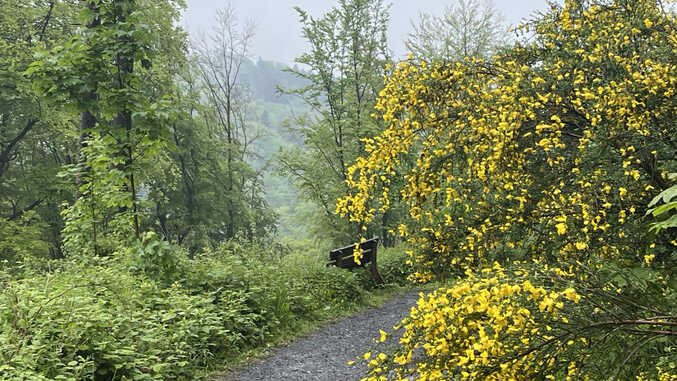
x: 275, y: 115
x: 167, y: 204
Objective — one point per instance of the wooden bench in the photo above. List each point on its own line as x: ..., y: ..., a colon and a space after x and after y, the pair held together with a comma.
x: 343, y: 258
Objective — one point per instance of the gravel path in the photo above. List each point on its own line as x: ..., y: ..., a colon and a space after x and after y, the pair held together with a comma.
x: 324, y: 354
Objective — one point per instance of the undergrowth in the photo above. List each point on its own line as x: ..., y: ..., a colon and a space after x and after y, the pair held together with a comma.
x: 151, y: 313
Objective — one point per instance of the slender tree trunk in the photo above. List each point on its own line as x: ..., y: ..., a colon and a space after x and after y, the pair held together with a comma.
x: 229, y: 137
x: 123, y: 120
x: 46, y: 22
x: 6, y: 152
x: 187, y: 181
x: 87, y: 123
x: 87, y: 119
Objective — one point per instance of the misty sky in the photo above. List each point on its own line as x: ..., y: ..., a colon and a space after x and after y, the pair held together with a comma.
x: 278, y: 32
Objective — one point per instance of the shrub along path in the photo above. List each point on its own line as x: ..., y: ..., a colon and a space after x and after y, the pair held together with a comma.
x: 324, y: 354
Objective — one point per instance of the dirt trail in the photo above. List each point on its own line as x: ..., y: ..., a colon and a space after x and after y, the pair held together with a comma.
x: 324, y: 354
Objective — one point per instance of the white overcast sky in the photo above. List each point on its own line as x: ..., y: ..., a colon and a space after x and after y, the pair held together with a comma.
x: 278, y: 32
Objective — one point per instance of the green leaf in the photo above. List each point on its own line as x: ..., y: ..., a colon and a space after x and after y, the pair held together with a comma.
x: 664, y: 208
x: 667, y: 195
x: 654, y: 202
x: 669, y: 223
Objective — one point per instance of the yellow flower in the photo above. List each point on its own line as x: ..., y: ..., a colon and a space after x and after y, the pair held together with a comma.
x: 648, y: 258
x: 572, y: 295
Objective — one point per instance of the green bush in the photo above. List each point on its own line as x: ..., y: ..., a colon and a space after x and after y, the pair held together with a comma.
x: 150, y: 313
x: 334, y: 285
x: 104, y: 323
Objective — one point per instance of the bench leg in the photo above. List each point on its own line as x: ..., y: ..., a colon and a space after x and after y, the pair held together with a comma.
x: 374, y: 270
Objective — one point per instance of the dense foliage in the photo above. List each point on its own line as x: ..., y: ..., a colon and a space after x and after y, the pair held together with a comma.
x: 109, y: 130
x: 136, y: 235
x: 344, y: 71
x: 549, y: 153
x: 152, y: 313
x: 135, y: 238
x: 34, y: 138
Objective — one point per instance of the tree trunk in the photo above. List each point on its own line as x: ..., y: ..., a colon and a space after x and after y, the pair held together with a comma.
x: 124, y: 118
x: 87, y: 119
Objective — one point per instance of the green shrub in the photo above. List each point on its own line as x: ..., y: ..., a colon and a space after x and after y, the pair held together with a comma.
x: 105, y: 323
x: 158, y: 259
x: 150, y: 313
x: 334, y: 286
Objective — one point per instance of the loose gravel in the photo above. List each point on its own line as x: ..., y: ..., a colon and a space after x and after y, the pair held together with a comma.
x: 324, y: 354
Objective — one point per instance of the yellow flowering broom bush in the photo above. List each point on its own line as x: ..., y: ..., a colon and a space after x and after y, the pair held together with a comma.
x: 553, y: 148
x: 548, y: 154
x: 530, y: 322
x: 489, y: 326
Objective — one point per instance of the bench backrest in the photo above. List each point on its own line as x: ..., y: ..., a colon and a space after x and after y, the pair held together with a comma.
x: 343, y: 257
